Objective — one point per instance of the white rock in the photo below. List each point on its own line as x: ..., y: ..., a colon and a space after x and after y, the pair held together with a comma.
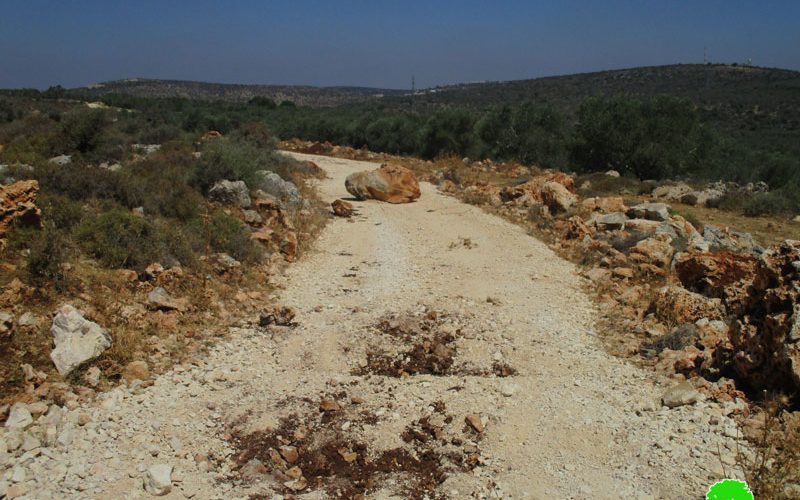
x: 18, y: 475
x: 508, y: 389
x: 92, y: 376
x: 679, y: 395
x: 76, y: 339
x: 158, y: 479
x: 19, y: 417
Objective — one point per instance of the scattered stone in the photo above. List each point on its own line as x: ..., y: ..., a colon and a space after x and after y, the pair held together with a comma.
x: 474, y: 421
x: 342, y: 208
x: 158, y: 479
x: 277, y: 315
x: 161, y: 300
x: 19, y: 417
x: 329, y: 405
x: 76, y: 339
x: 610, y: 222
x: 612, y: 173
x: 680, y: 395
x: 92, y: 376
x: 289, y: 453
x: 6, y: 323
x: 650, y: 211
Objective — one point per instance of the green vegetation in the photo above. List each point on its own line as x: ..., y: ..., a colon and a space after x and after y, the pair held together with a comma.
x: 674, y: 122
x: 150, y: 209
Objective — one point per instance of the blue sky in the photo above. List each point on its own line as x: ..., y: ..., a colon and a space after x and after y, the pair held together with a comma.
x: 376, y: 43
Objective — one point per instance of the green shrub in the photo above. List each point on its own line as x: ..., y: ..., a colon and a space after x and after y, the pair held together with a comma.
x: 773, y: 203
x: 47, y: 254
x: 63, y: 212
x: 119, y: 239
x: 231, y: 160
x: 220, y: 232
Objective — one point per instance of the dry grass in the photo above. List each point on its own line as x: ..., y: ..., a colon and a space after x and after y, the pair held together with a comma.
x: 771, y: 465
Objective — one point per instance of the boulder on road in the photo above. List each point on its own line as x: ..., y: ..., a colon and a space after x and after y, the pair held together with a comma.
x: 390, y: 183
x: 230, y: 193
x: 76, y: 339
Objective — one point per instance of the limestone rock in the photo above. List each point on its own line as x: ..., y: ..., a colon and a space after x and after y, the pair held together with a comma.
x: 158, y: 479
x: 230, y: 193
x: 556, y: 197
x: 18, y: 205
x: 650, y: 211
x: 284, y: 191
x: 19, y: 417
x: 680, y: 395
x: 390, y: 183
x: 342, y: 208
x: 76, y: 339
x: 678, y: 305
x: 161, y: 300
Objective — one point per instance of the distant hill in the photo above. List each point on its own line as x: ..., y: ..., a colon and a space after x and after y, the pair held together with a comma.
x: 760, y: 106
x: 300, y: 95
x: 701, y: 83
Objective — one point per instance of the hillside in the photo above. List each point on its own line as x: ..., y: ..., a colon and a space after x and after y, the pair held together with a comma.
x: 300, y: 95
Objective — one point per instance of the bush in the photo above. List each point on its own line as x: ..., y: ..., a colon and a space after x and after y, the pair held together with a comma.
x: 220, y: 232
x: 46, y: 257
x: 772, y: 203
x: 119, y: 239
x: 679, y: 338
x: 231, y: 160
x: 62, y: 212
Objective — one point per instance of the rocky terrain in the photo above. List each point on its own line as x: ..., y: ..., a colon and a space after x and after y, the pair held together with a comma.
x: 423, y: 350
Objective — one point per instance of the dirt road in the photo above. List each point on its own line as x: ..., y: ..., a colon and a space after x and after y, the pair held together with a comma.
x: 489, y: 324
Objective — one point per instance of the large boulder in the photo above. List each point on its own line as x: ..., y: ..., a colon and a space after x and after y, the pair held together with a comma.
x: 390, y: 183
x: 18, y: 205
x: 284, y: 191
x: 230, y: 193
x: 76, y: 339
